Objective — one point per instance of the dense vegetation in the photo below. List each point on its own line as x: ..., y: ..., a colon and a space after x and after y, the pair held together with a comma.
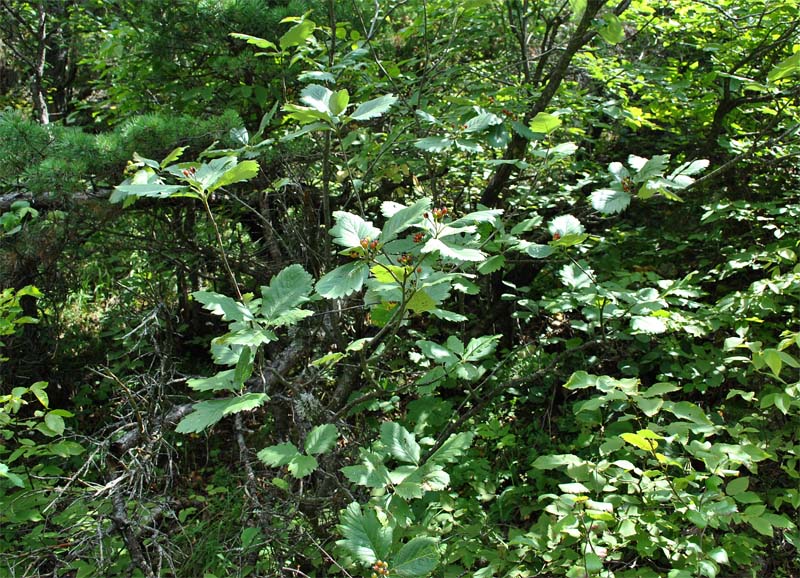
x: 420, y: 288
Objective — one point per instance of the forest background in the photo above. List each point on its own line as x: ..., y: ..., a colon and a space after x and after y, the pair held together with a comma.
x: 490, y: 288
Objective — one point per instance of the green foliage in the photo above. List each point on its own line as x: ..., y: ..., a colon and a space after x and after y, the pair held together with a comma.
x: 496, y: 289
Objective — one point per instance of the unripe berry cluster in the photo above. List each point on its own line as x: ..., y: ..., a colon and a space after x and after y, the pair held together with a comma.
x: 189, y: 173
x: 381, y: 568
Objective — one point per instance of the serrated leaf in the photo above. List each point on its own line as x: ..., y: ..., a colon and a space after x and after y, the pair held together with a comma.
x: 576, y: 275
x: 374, y: 108
x: 288, y: 289
x: 421, y: 302
x: 364, y: 536
x: 688, y: 411
x: 350, y: 229
x: 434, y: 144
x: 343, y: 280
x: 457, y: 253
x: 239, y: 135
x: 403, y: 218
x: 155, y: 190
x: 227, y: 308
x: 400, y: 442
x: 492, y: 264
x: 321, y: 439
x: 318, y: 98
x: 173, y: 156
x: 455, y: 446
x: 610, y: 201
x: 565, y: 225
x: 419, y: 557
x: 219, y: 382
x: 436, y: 352
x: 301, y: 465
x: 651, y: 168
x: 482, y: 121
x: 278, y: 455
x: 242, y: 171
x: 244, y: 367
x: 525, y: 132
x: 371, y: 473
x: 207, y: 413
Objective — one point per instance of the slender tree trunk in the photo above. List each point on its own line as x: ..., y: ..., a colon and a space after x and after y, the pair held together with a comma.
x: 38, y: 91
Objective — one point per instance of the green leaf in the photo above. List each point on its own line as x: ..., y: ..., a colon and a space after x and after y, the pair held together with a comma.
x: 297, y: 34
x: 436, y: 352
x: 321, y: 439
x: 434, y: 144
x: 639, y: 441
x: 576, y: 275
x: 400, y: 220
x: 421, y: 302
x: 248, y: 536
x: 772, y: 357
x: 343, y: 280
x: 241, y: 171
x: 244, y: 367
x: 688, y: 411
x: 350, y: 229
x: 525, y: 132
x: 650, y: 407
x: 11, y: 476
x: 172, y: 156
x: 565, y: 225
x: 155, y: 190
x: 227, y: 308
x: 610, y: 201
x: 364, y: 536
x: 612, y: 31
x: 648, y: 324
x: 370, y: 473
x: 301, y: 465
x: 317, y: 97
x: 482, y: 121
x: 54, y: 422
x: 400, y: 442
x: 544, y: 123
x: 278, y: 455
x: 786, y: 67
x: 762, y: 526
x: 224, y: 380
x: 254, y: 40
x: 454, y: 252
x: 419, y: 557
x: 553, y: 461
x: 737, y: 486
x: 339, y: 101
x: 207, y: 413
x: 455, y: 446
x: 288, y: 289
x: 594, y: 563
x: 38, y: 389
x: 374, y: 108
